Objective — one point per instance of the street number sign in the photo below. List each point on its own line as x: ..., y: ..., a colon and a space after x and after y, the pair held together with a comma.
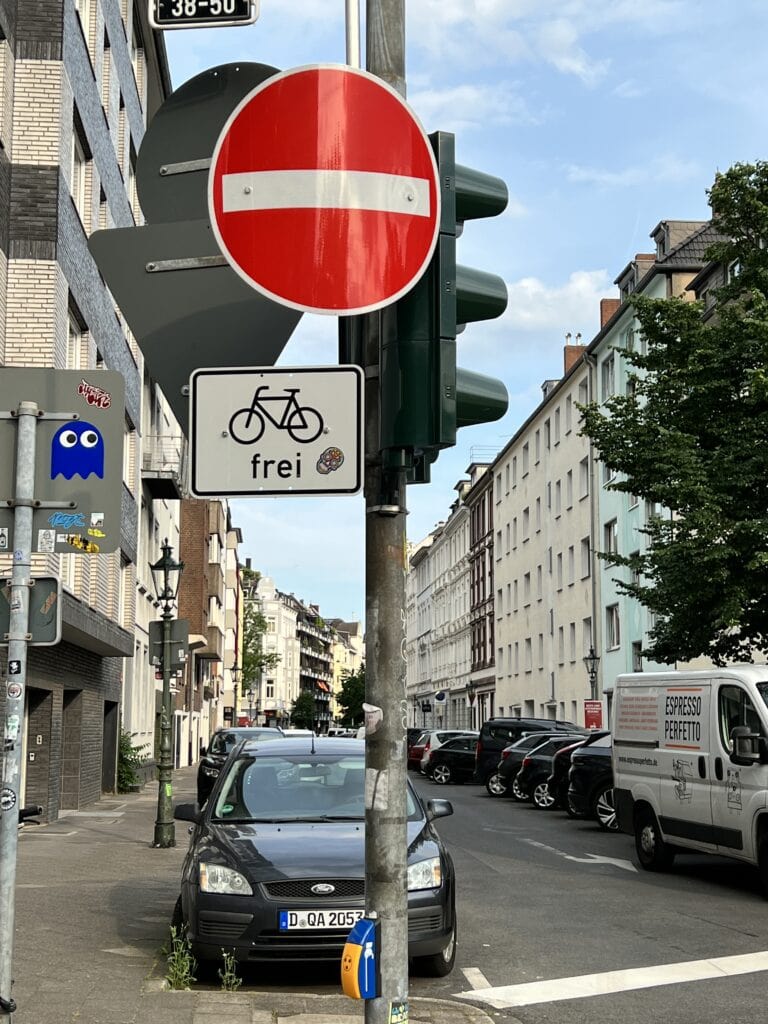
x: 323, y: 191
x: 274, y: 430
x: 202, y: 13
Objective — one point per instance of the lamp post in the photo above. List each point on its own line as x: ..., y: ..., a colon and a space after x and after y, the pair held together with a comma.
x: 471, y: 689
x: 166, y: 575
x: 235, y: 670
x: 250, y: 705
x: 591, y: 661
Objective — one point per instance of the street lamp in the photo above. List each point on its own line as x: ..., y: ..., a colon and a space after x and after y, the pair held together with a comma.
x: 166, y: 576
x: 471, y: 688
x: 591, y: 661
x: 250, y: 705
x: 235, y: 670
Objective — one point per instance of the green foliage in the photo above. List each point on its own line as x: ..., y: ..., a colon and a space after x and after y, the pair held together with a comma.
x: 129, y: 758
x: 230, y: 979
x: 181, y: 964
x: 691, y: 439
x: 254, y: 658
x: 303, y: 713
x: 351, y: 698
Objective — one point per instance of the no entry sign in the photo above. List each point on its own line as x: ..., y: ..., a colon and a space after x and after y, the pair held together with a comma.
x: 323, y: 191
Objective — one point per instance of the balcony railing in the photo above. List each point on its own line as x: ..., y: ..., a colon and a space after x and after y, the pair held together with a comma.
x: 164, y: 464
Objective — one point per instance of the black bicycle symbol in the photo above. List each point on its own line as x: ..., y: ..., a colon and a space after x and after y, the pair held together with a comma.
x: 303, y: 423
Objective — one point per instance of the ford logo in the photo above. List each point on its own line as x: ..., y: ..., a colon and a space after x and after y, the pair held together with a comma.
x: 323, y: 889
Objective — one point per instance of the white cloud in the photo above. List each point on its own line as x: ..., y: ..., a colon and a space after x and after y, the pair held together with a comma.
x: 572, y: 306
x: 668, y: 168
x: 630, y: 89
x: 466, y: 106
x: 558, y: 43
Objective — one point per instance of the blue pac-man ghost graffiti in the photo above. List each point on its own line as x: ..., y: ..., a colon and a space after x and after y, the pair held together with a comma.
x: 77, y: 450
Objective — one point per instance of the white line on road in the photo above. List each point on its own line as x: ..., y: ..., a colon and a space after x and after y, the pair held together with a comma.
x: 591, y: 858
x: 475, y: 977
x: 610, y: 982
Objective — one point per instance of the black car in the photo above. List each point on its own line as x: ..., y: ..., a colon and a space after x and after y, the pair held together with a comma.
x: 557, y: 781
x: 497, y: 733
x: 223, y: 742
x: 502, y: 782
x: 275, y: 870
x: 535, y: 769
x: 454, y: 761
x: 590, y: 782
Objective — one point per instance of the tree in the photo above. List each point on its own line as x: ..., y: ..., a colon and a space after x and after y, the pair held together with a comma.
x: 254, y: 658
x: 303, y: 713
x: 691, y: 438
x: 351, y: 697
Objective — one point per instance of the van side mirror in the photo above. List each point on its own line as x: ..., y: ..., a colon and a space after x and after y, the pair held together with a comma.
x: 748, y: 746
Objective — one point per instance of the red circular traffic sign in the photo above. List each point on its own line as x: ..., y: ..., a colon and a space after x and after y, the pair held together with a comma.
x: 323, y: 191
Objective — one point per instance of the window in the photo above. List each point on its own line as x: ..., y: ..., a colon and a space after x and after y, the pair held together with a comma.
x: 586, y: 560
x: 527, y: 589
x: 557, y: 426
x: 547, y: 434
x: 538, y: 515
x: 537, y: 446
x: 569, y: 489
x: 583, y: 391
x: 586, y: 635
x: 507, y: 533
x: 77, y: 358
x: 541, y: 650
x: 514, y: 532
x: 733, y: 271
x: 584, y: 478
x: 637, y: 656
x: 539, y: 591
x: 528, y: 655
x: 612, y: 628
x: 607, y: 376
x: 572, y: 641
x: 506, y: 477
x: 608, y: 473
x: 526, y: 523
x: 514, y: 592
x: 525, y: 459
x: 498, y: 487
x: 558, y: 498
x: 568, y: 414
x: 634, y: 501
x: 611, y: 537
x: 79, y: 168
x: 560, y: 645
x: 629, y: 339
x: 571, y: 565
x: 735, y: 708
x: 514, y: 471
x: 559, y: 574
x: 635, y: 570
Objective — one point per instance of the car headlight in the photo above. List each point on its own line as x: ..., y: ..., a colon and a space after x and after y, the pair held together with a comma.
x: 209, y: 770
x: 425, y: 874
x: 217, y: 878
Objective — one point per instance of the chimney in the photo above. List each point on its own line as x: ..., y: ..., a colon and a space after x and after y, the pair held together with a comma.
x: 607, y: 308
x: 572, y: 354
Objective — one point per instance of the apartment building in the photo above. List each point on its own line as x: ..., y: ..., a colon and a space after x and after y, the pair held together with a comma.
x: 348, y: 651
x: 78, y: 82
x: 278, y: 686
x: 482, y: 673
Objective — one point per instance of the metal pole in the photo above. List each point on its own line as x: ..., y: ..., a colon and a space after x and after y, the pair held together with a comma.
x: 386, y: 838
x: 165, y: 831
x: 12, y: 734
x: 353, y: 32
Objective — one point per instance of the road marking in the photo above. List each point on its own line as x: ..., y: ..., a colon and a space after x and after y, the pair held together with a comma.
x: 53, y: 835
x: 475, y: 977
x: 92, y: 814
x: 580, y: 987
x: 591, y: 858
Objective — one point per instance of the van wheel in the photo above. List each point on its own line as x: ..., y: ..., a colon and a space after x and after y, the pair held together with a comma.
x: 652, y: 852
x: 762, y: 861
x: 496, y: 785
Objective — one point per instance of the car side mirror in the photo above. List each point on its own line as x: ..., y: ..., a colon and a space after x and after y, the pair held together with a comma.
x: 187, y: 812
x: 439, y: 809
x: 747, y: 746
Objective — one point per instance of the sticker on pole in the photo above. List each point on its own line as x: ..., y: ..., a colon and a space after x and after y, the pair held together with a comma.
x: 323, y: 191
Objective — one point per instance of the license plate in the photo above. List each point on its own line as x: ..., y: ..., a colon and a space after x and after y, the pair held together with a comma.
x: 312, y: 920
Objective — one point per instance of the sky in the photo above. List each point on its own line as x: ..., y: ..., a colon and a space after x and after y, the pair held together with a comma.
x: 604, y: 117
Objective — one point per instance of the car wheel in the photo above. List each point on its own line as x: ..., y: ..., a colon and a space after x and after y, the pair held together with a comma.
x: 604, y: 811
x: 542, y: 798
x: 570, y: 810
x: 762, y: 861
x: 518, y: 792
x: 439, y: 965
x: 652, y: 852
x: 496, y: 785
x: 441, y: 774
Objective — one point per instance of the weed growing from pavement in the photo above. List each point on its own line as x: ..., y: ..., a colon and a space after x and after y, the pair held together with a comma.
x: 230, y: 980
x: 181, y: 963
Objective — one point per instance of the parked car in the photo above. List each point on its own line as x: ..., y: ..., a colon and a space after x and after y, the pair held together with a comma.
x: 454, y: 761
x: 590, y: 782
x: 497, y: 733
x: 221, y: 745
x: 436, y: 739
x: 412, y: 735
x: 535, y: 769
x: 428, y: 739
x: 502, y: 781
x: 558, y: 777
x: 275, y: 869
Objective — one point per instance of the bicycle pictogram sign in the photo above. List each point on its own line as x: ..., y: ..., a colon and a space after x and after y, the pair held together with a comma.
x: 303, y: 423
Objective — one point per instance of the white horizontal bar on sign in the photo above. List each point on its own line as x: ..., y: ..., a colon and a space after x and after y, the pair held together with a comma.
x: 338, y: 190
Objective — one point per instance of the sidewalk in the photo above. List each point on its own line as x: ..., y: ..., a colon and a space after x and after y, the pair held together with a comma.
x: 93, y: 906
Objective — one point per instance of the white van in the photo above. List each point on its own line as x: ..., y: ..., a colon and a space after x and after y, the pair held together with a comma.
x: 690, y: 763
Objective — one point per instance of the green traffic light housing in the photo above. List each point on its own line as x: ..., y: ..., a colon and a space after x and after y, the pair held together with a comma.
x: 424, y: 397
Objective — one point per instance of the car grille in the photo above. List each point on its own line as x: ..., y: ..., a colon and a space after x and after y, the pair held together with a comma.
x: 428, y: 923
x: 309, y: 946
x: 214, y: 929
x: 301, y: 889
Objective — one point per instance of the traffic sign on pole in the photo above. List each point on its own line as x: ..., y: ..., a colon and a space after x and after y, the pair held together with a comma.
x: 273, y: 430
x: 323, y: 191
x: 202, y: 13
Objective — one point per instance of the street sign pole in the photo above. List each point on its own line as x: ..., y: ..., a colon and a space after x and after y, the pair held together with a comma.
x: 386, y: 838
x: 15, y: 687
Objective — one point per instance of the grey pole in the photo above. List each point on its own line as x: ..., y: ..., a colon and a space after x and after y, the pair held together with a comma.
x: 386, y: 837
x: 165, y: 832
x: 10, y: 777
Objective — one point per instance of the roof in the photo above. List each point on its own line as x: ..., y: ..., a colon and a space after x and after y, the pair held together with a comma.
x: 290, y: 745
x: 692, y: 249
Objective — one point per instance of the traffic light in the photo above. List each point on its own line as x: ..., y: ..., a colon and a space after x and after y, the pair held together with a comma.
x: 425, y: 398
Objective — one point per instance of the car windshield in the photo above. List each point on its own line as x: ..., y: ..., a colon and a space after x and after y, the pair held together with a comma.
x: 297, y: 788
x: 224, y: 742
